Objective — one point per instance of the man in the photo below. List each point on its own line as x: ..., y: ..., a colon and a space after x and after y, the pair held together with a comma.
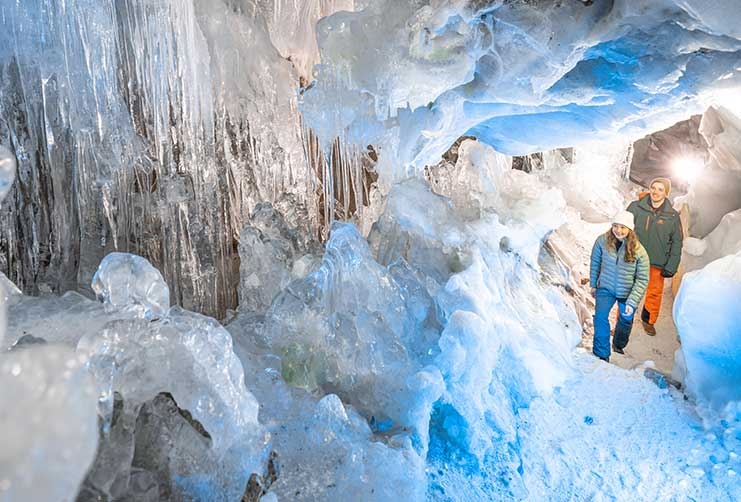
x: 659, y: 229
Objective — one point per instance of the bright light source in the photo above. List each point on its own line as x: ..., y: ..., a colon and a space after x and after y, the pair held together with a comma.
x: 687, y: 168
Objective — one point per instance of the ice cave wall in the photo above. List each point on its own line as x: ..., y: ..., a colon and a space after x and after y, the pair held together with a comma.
x: 156, y: 127
x: 153, y: 128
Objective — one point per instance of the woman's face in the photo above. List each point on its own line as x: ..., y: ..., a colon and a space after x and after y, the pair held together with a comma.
x: 620, y: 231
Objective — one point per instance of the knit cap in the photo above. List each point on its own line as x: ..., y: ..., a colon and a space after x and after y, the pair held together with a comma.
x: 625, y: 219
x: 664, y: 181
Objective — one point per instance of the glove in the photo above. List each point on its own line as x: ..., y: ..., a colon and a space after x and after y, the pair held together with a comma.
x: 628, y: 311
x: 666, y: 273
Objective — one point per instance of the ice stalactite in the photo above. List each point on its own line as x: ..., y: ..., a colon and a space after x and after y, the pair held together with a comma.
x: 151, y: 128
x: 345, y: 177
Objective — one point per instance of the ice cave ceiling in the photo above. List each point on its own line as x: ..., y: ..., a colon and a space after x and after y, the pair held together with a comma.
x: 155, y: 127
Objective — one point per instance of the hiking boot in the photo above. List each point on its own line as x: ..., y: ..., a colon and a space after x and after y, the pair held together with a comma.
x: 649, y: 328
x: 618, y: 350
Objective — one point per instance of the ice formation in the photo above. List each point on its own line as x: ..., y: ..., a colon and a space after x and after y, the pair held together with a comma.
x: 123, y: 280
x: 190, y: 115
x: 176, y: 416
x: 47, y: 406
x: 422, y: 350
x: 7, y: 170
x: 177, y: 116
x: 579, y: 71
x: 717, y: 190
x: 271, y: 256
x: 49, y: 423
x: 190, y: 357
x: 708, y: 313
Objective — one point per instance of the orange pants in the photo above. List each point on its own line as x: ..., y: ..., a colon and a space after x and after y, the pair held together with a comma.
x: 655, y: 290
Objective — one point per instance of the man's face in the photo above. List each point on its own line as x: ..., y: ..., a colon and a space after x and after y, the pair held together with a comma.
x: 658, y: 193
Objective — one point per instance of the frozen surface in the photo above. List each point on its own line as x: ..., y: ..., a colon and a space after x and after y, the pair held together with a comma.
x: 7, y: 170
x: 360, y: 330
x: 177, y: 116
x: 177, y: 420
x: 180, y: 116
x: 323, y: 447
x: 434, y: 359
x: 707, y: 311
x: 414, y: 78
x: 444, y: 337
x: 57, y: 319
x: 190, y: 356
x: 291, y: 25
x: 271, y: 255
x: 724, y: 240
x: 717, y: 190
x: 613, y: 434
x: 48, y: 423
x: 125, y: 280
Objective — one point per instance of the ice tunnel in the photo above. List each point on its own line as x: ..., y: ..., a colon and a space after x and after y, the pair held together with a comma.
x: 314, y: 250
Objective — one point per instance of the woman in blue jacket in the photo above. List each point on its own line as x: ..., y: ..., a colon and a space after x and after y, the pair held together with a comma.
x: 618, y: 273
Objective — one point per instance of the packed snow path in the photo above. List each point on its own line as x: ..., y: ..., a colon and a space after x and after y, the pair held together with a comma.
x: 660, y: 348
x: 609, y: 434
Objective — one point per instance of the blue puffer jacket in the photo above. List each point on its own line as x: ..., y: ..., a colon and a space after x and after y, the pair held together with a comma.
x: 610, y: 271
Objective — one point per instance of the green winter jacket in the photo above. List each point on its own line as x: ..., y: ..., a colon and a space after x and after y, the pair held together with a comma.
x: 609, y: 270
x: 660, y: 232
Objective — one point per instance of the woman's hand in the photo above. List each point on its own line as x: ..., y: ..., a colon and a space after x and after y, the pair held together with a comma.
x: 628, y: 311
x: 593, y: 292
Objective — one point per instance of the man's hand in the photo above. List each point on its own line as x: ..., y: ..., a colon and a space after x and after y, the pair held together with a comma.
x: 593, y: 292
x: 628, y: 311
x: 666, y: 273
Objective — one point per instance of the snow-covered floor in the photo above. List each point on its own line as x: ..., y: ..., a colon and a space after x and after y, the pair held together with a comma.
x: 612, y: 434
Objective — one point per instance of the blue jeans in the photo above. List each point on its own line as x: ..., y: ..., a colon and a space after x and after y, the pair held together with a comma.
x: 604, y: 301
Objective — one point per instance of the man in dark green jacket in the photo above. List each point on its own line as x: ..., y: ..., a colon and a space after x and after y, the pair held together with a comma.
x: 659, y: 229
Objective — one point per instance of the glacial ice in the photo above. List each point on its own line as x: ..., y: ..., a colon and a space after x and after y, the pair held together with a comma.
x: 494, y: 70
x: 433, y: 272
x: 465, y: 352
x: 707, y: 310
x: 48, y: 423
x: 124, y: 280
x: 717, y: 189
x: 350, y: 328
x: 153, y: 351
x: 57, y: 319
x: 167, y: 111
x: 47, y: 406
x: 271, y: 256
x: 434, y: 359
x: 7, y: 170
x: 132, y: 352
x: 190, y: 116
x: 724, y: 240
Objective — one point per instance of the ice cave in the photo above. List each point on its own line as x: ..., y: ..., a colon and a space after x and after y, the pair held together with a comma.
x: 340, y: 250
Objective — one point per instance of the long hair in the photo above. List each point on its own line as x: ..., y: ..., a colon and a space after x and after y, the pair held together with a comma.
x: 630, y: 242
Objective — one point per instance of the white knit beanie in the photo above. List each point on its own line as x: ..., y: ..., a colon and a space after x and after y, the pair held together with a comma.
x: 625, y: 218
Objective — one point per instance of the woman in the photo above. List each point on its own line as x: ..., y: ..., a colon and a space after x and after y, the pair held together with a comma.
x: 618, y: 273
